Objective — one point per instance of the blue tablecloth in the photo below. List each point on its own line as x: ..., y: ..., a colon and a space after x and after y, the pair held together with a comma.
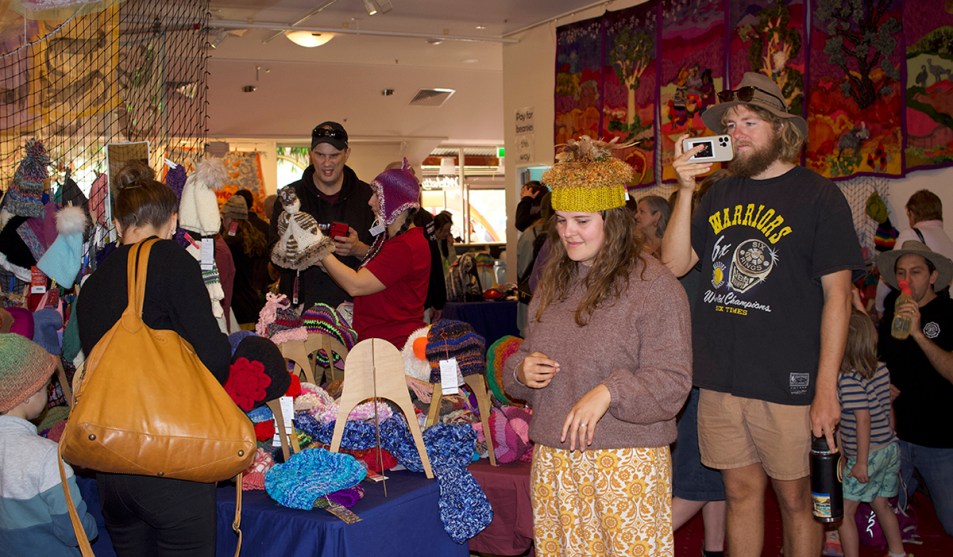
x: 490, y: 320
x: 404, y: 524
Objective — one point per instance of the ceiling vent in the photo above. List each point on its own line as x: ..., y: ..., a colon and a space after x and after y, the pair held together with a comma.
x: 431, y: 97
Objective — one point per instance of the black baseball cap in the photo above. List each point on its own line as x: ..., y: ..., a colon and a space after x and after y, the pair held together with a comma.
x: 331, y: 133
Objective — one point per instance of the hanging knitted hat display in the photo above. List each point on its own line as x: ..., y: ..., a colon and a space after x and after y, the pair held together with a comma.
x: 175, y: 178
x: 455, y: 339
x: 278, y: 321
x: 198, y: 207
x: 24, y: 197
x: 62, y: 261
x: 300, y: 242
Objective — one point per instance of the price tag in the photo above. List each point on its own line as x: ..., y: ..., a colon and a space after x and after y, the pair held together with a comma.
x: 233, y: 228
x: 377, y: 229
x: 37, y: 281
x: 207, y: 258
x: 448, y: 376
x: 287, y: 412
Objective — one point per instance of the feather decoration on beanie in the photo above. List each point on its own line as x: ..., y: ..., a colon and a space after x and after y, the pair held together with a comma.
x: 24, y: 197
x: 62, y: 260
x: 300, y: 242
x: 198, y: 207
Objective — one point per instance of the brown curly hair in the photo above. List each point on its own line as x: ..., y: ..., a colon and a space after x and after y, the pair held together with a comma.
x: 614, y: 265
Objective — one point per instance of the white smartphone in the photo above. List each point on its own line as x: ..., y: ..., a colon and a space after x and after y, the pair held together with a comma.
x: 717, y: 148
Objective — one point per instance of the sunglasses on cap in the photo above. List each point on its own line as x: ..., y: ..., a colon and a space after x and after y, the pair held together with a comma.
x: 745, y: 94
x: 331, y: 133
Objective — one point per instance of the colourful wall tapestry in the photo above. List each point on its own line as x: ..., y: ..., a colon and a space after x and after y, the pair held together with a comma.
x: 768, y: 36
x: 692, y: 69
x: 855, y: 91
x: 578, y: 80
x: 928, y: 35
x: 631, y: 85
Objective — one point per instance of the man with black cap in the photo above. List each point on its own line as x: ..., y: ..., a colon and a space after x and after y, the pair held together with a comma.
x: 921, y: 369
x: 330, y: 192
x: 777, y: 246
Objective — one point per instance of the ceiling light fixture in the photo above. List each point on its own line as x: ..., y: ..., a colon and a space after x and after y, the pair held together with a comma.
x: 217, y: 40
x: 371, y: 7
x: 308, y: 39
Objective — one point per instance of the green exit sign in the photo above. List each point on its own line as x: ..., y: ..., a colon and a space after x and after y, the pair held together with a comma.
x: 500, y: 152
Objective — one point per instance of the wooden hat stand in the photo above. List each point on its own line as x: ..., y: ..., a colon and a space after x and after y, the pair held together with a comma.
x: 477, y: 384
x: 320, y: 342
x: 375, y: 369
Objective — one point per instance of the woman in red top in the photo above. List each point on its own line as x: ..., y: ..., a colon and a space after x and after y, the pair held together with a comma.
x: 390, y: 287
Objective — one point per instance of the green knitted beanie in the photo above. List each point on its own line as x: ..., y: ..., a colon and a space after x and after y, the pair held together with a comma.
x: 24, y: 368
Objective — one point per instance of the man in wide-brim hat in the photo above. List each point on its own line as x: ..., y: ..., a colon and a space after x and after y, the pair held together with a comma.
x: 777, y: 247
x: 921, y: 368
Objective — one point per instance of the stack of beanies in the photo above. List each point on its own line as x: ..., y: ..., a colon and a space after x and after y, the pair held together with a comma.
x: 235, y: 208
x: 62, y: 260
x: 509, y: 428
x: 455, y: 339
x: 496, y: 357
x: 24, y: 368
x: 24, y: 197
x: 198, y: 206
x: 258, y: 373
x: 310, y: 475
x: 323, y: 319
x: 278, y: 321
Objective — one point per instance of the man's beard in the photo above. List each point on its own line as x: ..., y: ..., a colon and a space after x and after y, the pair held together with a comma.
x: 758, y: 160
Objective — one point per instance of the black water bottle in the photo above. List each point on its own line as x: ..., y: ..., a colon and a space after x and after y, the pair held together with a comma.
x: 827, y: 495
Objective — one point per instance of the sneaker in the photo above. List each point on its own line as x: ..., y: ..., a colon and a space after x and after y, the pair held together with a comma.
x: 832, y: 547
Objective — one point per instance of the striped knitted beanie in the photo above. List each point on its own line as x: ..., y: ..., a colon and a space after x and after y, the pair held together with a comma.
x: 455, y: 339
x: 24, y: 368
x: 496, y: 357
x: 24, y: 197
x: 324, y: 319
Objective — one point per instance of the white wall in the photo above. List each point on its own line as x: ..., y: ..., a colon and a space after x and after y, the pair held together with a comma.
x: 529, y: 81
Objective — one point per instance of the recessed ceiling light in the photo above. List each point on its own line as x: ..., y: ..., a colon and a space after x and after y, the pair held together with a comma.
x: 481, y: 27
x: 470, y: 61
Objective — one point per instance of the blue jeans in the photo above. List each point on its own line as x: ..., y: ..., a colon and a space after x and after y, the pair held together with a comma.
x: 936, y: 468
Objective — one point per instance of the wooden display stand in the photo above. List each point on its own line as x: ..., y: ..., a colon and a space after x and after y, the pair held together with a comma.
x: 477, y: 384
x: 320, y: 342
x: 375, y: 369
x: 297, y: 352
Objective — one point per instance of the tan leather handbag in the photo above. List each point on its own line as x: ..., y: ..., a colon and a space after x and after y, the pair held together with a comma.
x: 147, y: 405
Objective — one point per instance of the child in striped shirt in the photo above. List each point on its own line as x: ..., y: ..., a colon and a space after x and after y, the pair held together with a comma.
x: 867, y: 438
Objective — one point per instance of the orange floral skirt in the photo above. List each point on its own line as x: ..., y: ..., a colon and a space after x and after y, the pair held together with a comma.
x: 612, y: 502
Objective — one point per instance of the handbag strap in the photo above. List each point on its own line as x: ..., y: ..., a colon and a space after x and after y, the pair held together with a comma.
x: 237, y: 522
x: 81, y: 538
x: 137, y: 266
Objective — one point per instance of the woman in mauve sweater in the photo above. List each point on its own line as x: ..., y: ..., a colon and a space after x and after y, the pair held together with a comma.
x: 606, y: 366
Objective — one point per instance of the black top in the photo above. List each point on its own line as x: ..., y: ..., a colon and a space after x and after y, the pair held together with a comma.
x: 922, y: 409
x: 763, y: 247
x: 527, y: 211
x: 315, y: 285
x: 176, y: 299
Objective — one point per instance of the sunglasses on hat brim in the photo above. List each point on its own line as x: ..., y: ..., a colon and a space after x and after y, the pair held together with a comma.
x: 330, y: 133
x: 745, y: 94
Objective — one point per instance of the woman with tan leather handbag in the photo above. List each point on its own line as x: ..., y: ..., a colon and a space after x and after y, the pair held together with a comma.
x: 148, y: 515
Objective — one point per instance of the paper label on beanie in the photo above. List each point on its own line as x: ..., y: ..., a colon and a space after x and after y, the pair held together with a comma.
x: 343, y: 513
x: 207, y: 257
x: 288, y: 412
x: 37, y: 281
x: 448, y: 376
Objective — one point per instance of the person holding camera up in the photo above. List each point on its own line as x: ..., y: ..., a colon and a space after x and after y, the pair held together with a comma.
x: 777, y: 246
x: 332, y: 193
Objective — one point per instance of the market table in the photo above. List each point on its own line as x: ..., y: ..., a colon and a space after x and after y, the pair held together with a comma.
x: 508, y: 489
x: 404, y: 524
x: 490, y: 320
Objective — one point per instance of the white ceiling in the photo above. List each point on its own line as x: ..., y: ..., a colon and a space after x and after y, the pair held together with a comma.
x: 298, y: 87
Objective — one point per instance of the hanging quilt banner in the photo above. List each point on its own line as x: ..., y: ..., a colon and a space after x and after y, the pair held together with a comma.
x: 631, y: 85
x: 692, y: 69
x: 768, y: 36
x: 855, y: 90
x: 928, y: 36
x: 578, y: 99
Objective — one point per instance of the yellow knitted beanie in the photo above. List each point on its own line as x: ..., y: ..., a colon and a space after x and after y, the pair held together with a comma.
x: 587, y: 178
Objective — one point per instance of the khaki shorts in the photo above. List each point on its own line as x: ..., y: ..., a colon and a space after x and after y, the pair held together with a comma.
x: 735, y: 432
